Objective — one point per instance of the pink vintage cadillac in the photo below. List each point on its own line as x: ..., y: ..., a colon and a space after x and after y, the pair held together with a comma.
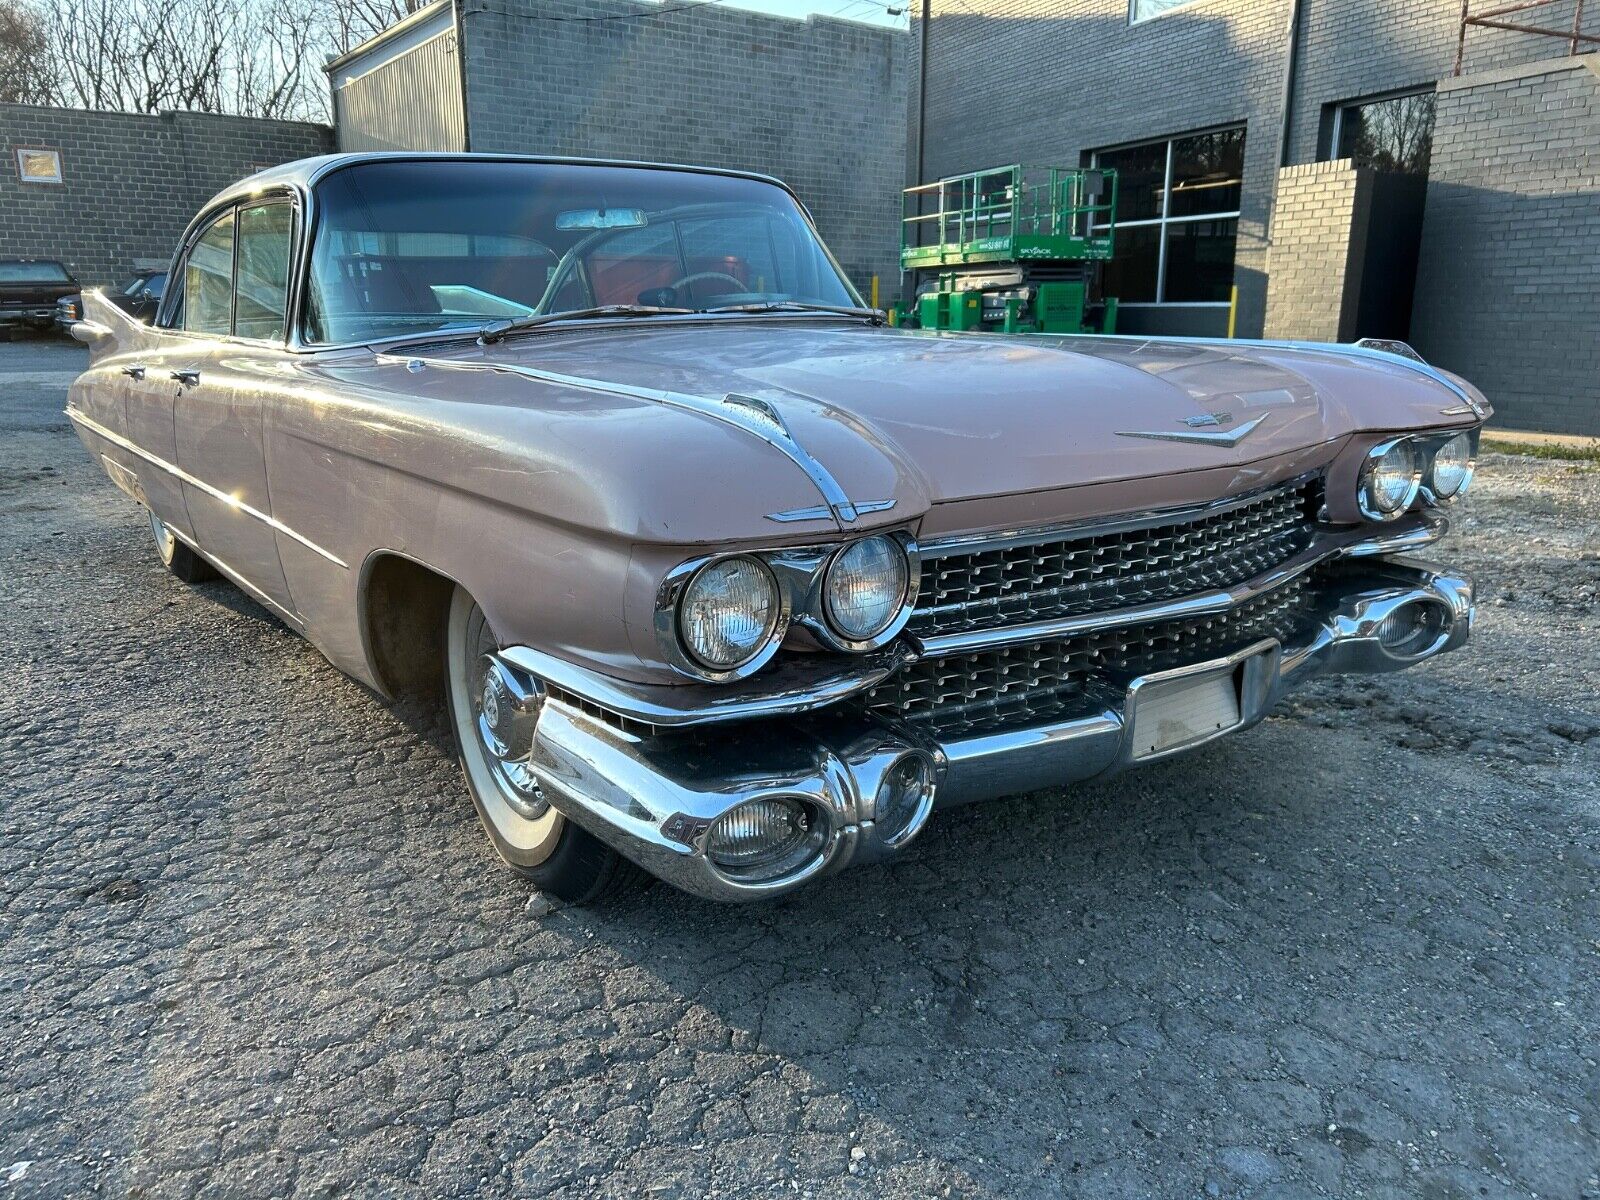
x: 718, y: 575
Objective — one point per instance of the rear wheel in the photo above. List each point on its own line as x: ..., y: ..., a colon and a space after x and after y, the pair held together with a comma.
x: 533, y: 838
x: 178, y: 558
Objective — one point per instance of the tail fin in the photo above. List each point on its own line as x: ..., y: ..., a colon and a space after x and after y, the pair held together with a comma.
x: 106, y: 329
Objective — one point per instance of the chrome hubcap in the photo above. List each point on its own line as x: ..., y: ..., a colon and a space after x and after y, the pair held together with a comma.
x: 166, y: 540
x: 496, y: 718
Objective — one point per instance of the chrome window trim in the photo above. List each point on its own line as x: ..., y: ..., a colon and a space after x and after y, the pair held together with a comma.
x: 267, y: 193
x: 305, y: 183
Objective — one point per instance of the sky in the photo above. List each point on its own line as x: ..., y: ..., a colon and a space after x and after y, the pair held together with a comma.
x: 873, y: 12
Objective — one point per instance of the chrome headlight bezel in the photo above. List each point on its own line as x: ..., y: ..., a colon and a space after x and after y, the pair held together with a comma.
x: 827, y: 609
x: 1430, y: 490
x: 807, y: 573
x: 1365, y: 493
x: 669, y: 624
x: 800, y: 574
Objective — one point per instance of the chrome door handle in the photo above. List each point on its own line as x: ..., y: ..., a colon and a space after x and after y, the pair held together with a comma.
x: 136, y: 371
x: 188, y: 375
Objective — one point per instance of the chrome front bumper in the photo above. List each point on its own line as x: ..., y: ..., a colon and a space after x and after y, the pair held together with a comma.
x: 653, y: 794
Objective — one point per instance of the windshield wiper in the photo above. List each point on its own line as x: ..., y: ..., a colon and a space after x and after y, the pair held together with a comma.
x: 496, y: 330
x: 876, y: 316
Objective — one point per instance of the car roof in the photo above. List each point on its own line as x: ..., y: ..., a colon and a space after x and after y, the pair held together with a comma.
x: 303, y: 173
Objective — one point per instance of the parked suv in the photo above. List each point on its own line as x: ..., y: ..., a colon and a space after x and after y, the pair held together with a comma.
x: 29, y: 289
x: 138, y: 297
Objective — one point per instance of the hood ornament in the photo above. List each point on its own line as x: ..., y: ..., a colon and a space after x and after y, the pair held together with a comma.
x: 1200, y: 436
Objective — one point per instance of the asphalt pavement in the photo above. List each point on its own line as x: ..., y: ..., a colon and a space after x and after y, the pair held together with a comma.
x: 253, y: 943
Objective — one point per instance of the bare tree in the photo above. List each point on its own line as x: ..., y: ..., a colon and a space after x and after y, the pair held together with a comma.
x: 354, y: 21
x: 27, y: 75
x: 251, y: 57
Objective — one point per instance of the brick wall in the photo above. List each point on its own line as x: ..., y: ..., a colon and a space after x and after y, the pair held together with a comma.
x: 819, y: 103
x: 1508, y: 285
x: 1044, y: 81
x: 1309, y: 265
x: 131, y: 182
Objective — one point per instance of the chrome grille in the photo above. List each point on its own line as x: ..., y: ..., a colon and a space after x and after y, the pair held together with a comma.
x: 1036, y: 681
x: 1093, y: 572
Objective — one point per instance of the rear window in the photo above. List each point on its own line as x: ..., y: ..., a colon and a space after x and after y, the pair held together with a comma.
x: 33, y: 272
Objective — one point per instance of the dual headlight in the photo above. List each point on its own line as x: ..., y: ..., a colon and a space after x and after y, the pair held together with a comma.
x: 1396, y: 471
x: 731, y: 614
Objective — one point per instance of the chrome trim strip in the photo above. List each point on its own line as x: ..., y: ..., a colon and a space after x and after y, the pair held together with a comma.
x: 240, y: 582
x: 822, y: 512
x: 1228, y: 437
x: 754, y: 416
x: 1218, y: 600
x: 116, y: 439
x: 793, y: 687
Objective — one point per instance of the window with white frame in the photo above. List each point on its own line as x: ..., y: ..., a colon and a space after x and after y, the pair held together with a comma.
x: 1177, y: 218
x: 1143, y: 10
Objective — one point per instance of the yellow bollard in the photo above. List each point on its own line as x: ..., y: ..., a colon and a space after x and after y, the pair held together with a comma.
x: 874, y: 291
x: 1233, y: 308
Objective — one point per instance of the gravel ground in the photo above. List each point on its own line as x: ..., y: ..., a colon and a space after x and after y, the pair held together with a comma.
x: 254, y: 942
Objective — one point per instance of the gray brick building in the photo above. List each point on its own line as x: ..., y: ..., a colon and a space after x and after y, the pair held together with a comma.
x: 129, y: 183
x: 1481, y: 191
x: 819, y: 103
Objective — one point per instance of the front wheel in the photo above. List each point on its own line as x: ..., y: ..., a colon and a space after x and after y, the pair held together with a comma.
x: 177, y: 557
x: 533, y: 838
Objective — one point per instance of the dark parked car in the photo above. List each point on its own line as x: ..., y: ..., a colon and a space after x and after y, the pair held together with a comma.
x: 138, y: 297
x: 29, y: 289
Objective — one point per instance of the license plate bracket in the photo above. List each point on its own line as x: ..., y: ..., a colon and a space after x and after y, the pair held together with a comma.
x: 1174, y: 710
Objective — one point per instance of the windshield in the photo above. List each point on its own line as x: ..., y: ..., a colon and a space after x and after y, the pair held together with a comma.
x: 33, y: 272
x: 413, y: 247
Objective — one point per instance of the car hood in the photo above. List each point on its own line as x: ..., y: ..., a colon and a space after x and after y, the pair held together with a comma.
x: 925, y: 418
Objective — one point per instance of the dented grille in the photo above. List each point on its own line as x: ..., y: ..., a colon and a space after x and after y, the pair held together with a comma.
x: 1036, y: 681
x: 985, y: 588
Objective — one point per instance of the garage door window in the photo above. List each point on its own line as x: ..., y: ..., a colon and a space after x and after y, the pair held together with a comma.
x: 1177, y: 220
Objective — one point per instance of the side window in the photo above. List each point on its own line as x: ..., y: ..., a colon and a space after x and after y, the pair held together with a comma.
x: 208, y: 280
x: 265, y: 232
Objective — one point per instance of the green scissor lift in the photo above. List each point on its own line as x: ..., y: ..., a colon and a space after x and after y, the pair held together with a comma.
x: 1011, y: 249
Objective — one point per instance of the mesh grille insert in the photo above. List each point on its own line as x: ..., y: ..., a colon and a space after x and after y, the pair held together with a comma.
x: 1036, y: 681
x: 985, y: 588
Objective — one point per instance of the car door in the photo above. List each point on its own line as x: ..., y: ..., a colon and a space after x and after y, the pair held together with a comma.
x: 235, y: 287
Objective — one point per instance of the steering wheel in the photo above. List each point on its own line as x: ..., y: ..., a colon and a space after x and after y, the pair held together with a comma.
x: 738, y: 284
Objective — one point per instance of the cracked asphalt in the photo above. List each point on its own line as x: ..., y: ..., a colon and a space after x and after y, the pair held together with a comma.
x: 253, y: 943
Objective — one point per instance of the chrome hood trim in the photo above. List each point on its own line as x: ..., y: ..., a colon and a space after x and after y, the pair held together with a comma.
x: 752, y: 415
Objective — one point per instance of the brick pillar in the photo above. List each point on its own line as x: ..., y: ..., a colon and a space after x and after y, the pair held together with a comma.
x: 1313, y: 278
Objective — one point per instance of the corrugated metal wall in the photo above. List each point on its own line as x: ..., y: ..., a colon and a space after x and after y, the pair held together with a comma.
x: 410, y: 102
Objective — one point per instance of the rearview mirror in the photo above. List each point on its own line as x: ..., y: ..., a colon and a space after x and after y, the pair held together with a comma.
x: 601, y: 218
